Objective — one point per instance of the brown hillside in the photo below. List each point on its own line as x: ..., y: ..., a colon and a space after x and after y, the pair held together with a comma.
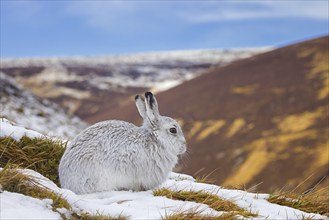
x: 259, y: 120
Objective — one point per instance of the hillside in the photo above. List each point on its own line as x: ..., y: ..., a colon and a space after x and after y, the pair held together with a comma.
x: 36, y: 196
x: 91, y: 86
x: 31, y: 111
x: 257, y: 119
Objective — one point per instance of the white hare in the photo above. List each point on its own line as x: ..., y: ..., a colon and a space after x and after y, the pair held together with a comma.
x: 117, y: 155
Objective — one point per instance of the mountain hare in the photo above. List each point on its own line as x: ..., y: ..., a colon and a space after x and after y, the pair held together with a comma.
x: 117, y: 155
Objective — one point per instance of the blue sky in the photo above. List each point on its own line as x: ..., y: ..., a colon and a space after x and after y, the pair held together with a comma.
x: 66, y: 28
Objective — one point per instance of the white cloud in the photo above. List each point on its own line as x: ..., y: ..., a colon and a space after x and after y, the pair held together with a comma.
x: 303, y: 9
x: 258, y: 9
x: 109, y: 15
x: 100, y: 14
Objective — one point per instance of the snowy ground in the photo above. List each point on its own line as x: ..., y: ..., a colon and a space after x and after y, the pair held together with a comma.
x: 134, y: 205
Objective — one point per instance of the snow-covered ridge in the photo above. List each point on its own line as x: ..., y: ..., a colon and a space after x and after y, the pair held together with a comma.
x: 158, y: 71
x: 202, y: 55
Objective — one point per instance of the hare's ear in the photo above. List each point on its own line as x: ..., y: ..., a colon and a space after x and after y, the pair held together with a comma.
x: 140, y: 104
x: 152, y: 110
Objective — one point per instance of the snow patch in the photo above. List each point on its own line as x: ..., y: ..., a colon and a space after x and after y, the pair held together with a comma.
x: 18, y: 206
x: 9, y: 129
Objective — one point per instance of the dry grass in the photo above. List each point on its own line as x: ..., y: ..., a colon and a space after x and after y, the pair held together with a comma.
x: 316, y: 201
x: 205, y: 179
x: 40, y: 154
x: 195, y: 215
x: 14, y: 181
x: 213, y: 201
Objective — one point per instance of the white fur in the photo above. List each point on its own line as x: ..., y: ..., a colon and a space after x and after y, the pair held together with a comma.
x: 117, y: 155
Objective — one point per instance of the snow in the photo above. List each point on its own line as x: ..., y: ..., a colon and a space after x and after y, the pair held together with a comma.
x: 254, y: 202
x: 201, y: 55
x: 18, y: 206
x: 134, y: 205
x: 9, y: 129
x: 165, y: 85
x: 144, y: 205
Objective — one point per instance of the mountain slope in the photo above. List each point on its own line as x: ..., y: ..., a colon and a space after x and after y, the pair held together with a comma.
x: 31, y: 111
x: 256, y: 119
x: 90, y: 87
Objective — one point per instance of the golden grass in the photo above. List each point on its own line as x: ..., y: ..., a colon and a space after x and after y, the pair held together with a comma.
x: 245, y: 90
x: 259, y: 157
x: 213, y: 201
x: 205, y: 179
x: 299, y: 122
x: 316, y: 201
x: 235, y: 127
x: 196, y: 127
x: 195, y: 215
x: 40, y: 154
x: 319, y: 68
x: 256, y: 161
x: 204, y: 129
x: 212, y: 127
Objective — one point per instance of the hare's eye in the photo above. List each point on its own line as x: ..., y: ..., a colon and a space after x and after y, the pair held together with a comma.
x: 173, y: 130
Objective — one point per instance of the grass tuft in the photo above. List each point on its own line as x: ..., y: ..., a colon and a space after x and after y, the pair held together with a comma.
x: 316, y: 201
x: 14, y: 181
x: 213, y: 201
x: 195, y: 215
x: 205, y: 179
x: 40, y: 154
